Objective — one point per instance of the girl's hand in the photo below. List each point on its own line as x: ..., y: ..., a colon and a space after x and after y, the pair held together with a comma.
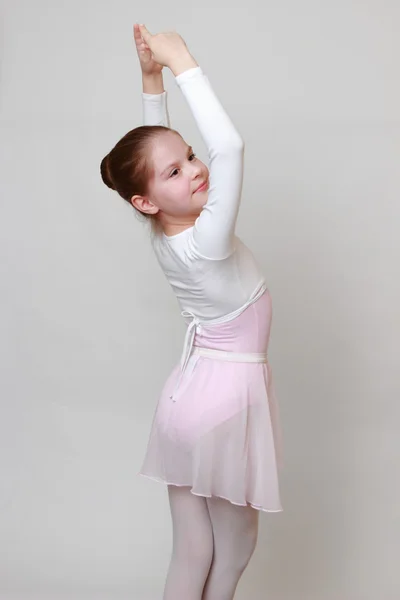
x: 167, y: 49
x: 148, y: 64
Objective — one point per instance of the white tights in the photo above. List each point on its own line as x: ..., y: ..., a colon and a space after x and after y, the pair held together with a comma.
x: 213, y: 541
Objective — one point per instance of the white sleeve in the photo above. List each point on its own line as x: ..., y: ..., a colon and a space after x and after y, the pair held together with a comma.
x: 155, y: 109
x: 213, y: 232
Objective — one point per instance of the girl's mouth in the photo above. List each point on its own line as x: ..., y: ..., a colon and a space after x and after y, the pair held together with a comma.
x: 202, y: 187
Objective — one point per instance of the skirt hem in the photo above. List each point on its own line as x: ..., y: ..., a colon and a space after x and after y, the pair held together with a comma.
x: 255, y: 506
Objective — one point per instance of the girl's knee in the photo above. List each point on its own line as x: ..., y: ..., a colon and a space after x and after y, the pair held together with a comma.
x: 235, y: 534
x: 199, y: 551
x: 246, y: 547
x: 195, y: 549
x: 247, y: 530
x: 233, y: 559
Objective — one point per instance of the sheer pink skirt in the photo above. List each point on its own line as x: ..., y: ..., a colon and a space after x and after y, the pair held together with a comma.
x: 221, y: 435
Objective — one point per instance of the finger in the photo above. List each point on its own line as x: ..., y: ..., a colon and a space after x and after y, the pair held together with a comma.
x: 137, y: 35
x: 146, y: 35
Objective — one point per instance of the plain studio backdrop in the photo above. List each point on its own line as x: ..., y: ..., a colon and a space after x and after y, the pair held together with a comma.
x: 90, y: 328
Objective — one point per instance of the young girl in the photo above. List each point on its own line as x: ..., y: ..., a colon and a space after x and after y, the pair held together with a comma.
x: 215, y: 437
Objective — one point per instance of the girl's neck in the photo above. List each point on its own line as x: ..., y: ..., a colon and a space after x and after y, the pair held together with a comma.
x: 171, y: 229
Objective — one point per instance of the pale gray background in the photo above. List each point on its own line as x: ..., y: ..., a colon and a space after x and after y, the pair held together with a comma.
x: 90, y: 328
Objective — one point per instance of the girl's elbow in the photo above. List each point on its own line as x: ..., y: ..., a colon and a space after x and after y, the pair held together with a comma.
x: 241, y: 142
x: 238, y: 143
x: 232, y: 146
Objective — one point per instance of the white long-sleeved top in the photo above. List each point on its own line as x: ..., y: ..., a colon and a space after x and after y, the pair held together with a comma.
x: 211, y: 271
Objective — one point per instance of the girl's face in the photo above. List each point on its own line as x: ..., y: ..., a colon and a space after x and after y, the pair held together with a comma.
x: 178, y: 173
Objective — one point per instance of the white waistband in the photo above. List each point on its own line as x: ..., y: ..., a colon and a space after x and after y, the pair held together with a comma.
x: 250, y: 357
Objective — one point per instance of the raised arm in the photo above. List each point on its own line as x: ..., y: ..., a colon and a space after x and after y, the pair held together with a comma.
x: 155, y: 107
x: 213, y: 232
x: 154, y: 97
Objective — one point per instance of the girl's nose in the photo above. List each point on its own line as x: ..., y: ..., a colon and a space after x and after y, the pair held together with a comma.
x: 196, y: 170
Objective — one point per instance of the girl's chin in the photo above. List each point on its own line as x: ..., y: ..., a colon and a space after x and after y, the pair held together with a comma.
x: 202, y: 198
x: 199, y: 200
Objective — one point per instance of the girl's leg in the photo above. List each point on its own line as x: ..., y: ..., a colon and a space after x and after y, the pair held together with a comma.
x: 192, y: 545
x: 235, y: 530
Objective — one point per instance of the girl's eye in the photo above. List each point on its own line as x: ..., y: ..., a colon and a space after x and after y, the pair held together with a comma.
x: 191, y: 158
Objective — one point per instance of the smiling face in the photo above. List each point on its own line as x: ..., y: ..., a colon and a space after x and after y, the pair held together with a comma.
x: 177, y: 174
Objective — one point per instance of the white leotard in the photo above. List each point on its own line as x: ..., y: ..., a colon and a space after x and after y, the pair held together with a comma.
x: 210, y: 270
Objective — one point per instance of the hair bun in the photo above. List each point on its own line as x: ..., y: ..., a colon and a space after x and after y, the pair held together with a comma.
x: 106, y: 172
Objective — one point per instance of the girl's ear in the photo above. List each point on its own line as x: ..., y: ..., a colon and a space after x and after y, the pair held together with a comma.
x: 143, y: 204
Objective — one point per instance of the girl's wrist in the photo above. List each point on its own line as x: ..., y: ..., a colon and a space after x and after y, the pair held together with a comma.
x: 182, y: 63
x: 152, y: 83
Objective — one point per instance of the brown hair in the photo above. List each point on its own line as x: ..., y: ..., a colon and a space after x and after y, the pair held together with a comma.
x: 127, y: 168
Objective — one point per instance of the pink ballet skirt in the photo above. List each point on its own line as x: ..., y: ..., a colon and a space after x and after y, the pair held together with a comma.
x: 219, y: 432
